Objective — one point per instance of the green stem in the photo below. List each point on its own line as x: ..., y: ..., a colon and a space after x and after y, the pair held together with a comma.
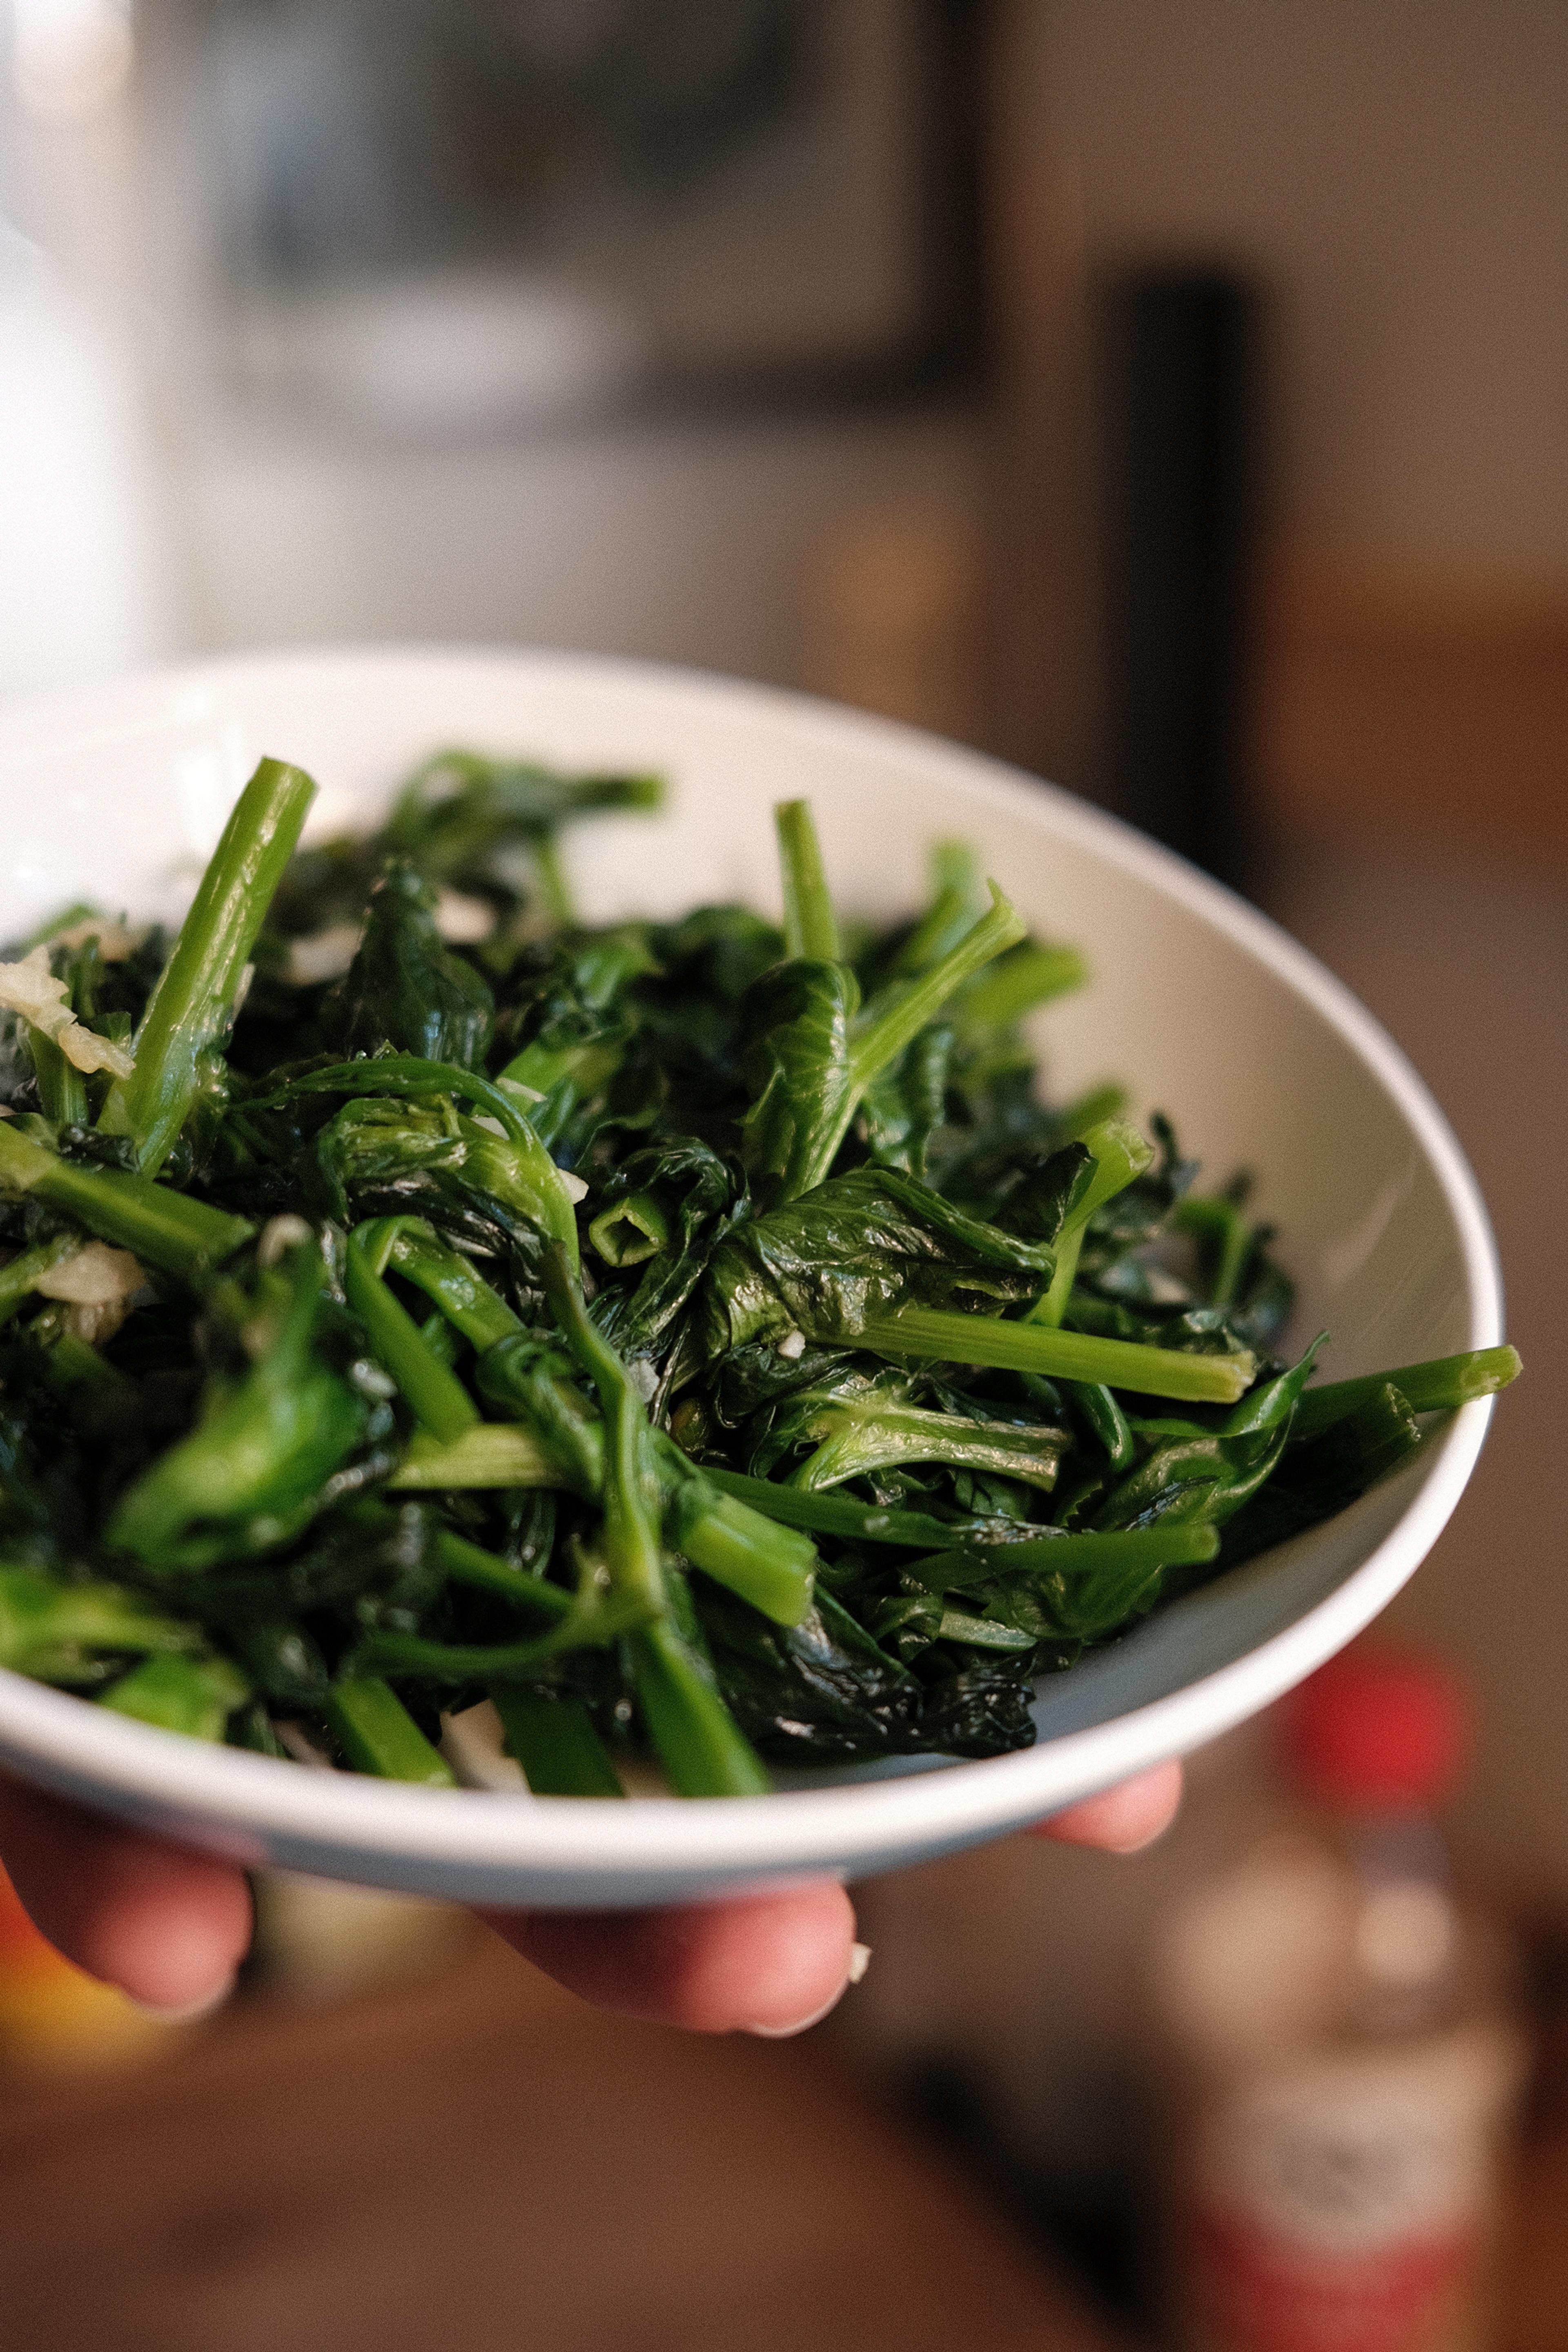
x: 732, y: 1545
x: 467, y: 1662
x: 466, y: 1563
x: 957, y: 904
x: 1222, y: 1226
x: 18, y: 1280
x: 75, y: 1362
x: 1107, y: 1419
x: 898, y: 1015
x: 444, y: 1276
x: 700, y: 1744
x: 1120, y: 1155
x: 490, y: 1454
x: 811, y: 926
x: 631, y: 1534
x: 378, y: 1735
x: 62, y: 1089
x: 432, y: 1392
x: 169, y: 1230
x: 629, y: 1231
x: 932, y: 1332
x: 554, y: 890
x: 80, y: 910
x: 555, y: 1741
x: 1440, y: 1385
x: 895, y: 1017
x: 834, y: 1514
x: 701, y: 1747
x: 1018, y: 984
x: 192, y: 1001
x: 738, y: 1547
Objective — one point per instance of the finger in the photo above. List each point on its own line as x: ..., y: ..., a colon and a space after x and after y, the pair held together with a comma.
x: 1122, y: 1819
x: 769, y: 1964
x: 167, y: 1926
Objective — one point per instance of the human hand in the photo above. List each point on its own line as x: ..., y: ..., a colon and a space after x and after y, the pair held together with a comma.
x: 170, y: 1927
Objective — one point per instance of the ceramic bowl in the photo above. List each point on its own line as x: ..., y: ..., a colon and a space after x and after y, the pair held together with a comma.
x: 1196, y: 1003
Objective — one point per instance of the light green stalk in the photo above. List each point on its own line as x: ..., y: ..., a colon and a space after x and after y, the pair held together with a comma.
x: 1120, y: 1155
x: 193, y: 1002
x: 934, y: 1332
x: 169, y: 1230
x: 1440, y: 1385
x: 811, y: 926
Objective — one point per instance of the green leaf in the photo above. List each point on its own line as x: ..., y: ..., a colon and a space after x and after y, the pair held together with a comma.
x: 195, y: 1695
x: 858, y: 1250
x: 798, y: 1063
x: 405, y: 992
x: 78, y: 1634
x: 256, y: 1468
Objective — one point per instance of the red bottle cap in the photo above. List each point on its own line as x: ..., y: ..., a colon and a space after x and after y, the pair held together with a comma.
x: 1378, y: 1729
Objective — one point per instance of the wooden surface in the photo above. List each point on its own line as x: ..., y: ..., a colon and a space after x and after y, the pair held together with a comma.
x: 473, y: 2161
x: 1533, y: 2315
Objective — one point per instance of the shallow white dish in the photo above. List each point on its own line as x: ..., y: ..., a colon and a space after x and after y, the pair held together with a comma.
x: 1197, y: 1003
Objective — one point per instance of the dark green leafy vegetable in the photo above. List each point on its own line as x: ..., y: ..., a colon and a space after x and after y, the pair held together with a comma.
x: 404, y: 993
x: 694, y: 1338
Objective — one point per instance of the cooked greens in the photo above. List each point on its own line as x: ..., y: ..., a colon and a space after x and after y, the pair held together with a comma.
x: 687, y: 1338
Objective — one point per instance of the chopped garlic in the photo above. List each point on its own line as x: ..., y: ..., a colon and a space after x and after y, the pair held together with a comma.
x: 299, y: 1744
x: 473, y: 1744
x: 31, y: 989
x: 573, y: 1186
x: 281, y: 1234
x: 792, y: 1346
x: 463, y: 921
x: 322, y: 955
x: 95, y: 1276
x: 114, y: 942
x: 98, y: 1284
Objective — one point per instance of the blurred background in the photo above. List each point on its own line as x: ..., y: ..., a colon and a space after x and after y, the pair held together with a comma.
x: 1170, y: 395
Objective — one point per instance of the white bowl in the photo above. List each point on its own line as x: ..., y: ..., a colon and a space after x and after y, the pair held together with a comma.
x: 1200, y: 1006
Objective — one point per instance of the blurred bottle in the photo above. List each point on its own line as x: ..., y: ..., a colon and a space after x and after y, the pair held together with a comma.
x: 1342, y: 2064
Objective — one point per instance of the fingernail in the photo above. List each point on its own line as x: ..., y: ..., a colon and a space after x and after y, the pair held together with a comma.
x: 801, y: 2024
x: 860, y: 1961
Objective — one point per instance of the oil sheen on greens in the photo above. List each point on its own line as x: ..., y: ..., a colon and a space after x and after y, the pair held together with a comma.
x: 697, y: 1340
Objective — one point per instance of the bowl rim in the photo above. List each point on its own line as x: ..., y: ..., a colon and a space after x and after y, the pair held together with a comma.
x: 239, y: 1800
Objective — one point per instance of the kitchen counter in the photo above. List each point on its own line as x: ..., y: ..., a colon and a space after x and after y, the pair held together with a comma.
x: 471, y: 2159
